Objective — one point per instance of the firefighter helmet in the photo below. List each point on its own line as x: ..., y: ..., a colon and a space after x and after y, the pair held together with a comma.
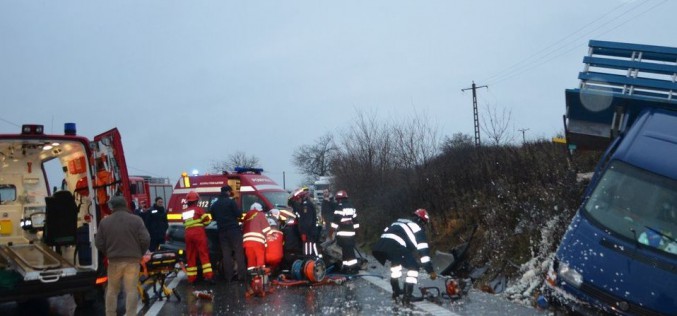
x: 422, y: 214
x: 192, y: 196
x: 342, y: 194
x: 299, y: 194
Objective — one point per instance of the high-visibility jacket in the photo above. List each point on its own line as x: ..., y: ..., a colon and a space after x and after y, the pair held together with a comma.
x: 404, y: 236
x: 274, y: 250
x: 194, y: 220
x: 195, y: 216
x: 345, y: 220
x: 254, y: 228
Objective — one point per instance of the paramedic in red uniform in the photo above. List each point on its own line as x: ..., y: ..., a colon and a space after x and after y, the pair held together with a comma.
x: 344, y: 225
x: 401, y: 243
x: 254, y: 228
x: 194, y: 220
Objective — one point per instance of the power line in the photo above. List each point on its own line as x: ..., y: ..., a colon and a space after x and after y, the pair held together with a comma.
x: 9, y: 122
x: 542, y: 62
x: 529, y: 58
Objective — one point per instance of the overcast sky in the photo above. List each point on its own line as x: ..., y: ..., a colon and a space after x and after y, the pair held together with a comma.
x: 190, y: 82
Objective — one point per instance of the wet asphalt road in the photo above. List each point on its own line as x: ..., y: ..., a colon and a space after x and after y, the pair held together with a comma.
x: 364, y: 295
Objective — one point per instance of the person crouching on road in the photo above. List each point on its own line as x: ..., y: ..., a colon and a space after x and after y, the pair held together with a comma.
x: 194, y: 220
x: 123, y: 238
x: 397, y: 244
x: 254, y: 228
x: 345, y: 224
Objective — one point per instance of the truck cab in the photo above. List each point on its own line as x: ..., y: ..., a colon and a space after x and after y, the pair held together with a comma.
x: 619, y: 254
x: 47, y: 235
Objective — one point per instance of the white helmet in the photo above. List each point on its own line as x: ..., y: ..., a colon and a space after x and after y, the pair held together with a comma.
x: 256, y: 206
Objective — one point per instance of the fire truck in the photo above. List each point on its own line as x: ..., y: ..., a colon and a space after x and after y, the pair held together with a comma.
x: 47, y: 235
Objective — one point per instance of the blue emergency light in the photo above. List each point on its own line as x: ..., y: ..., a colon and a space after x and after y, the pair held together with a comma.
x: 248, y: 170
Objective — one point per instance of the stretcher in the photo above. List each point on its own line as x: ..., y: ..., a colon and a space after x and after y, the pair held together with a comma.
x: 156, y: 268
x: 36, y: 262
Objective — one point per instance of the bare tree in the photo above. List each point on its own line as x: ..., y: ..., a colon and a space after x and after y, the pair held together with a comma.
x: 314, y: 160
x: 499, y: 127
x: 416, y: 142
x: 237, y: 159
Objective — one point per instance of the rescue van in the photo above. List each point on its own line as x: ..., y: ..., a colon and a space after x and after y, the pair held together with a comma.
x: 249, y: 186
x: 47, y: 235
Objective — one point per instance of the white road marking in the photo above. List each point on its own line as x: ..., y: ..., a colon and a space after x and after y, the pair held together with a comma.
x: 425, y: 306
x: 154, y: 310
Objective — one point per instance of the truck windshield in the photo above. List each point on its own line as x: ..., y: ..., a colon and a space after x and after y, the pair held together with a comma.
x: 277, y: 198
x: 636, y: 204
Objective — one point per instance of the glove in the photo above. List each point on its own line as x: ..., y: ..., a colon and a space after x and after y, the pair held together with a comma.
x: 304, y: 237
x: 433, y: 275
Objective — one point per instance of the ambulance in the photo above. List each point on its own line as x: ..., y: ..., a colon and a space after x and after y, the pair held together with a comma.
x: 47, y: 229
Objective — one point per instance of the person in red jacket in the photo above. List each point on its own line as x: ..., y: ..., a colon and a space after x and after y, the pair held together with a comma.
x: 254, y: 228
x: 194, y: 220
x: 274, y: 240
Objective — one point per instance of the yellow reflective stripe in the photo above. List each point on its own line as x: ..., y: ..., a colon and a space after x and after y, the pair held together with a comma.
x: 208, y: 270
x: 191, y: 273
x: 189, y: 269
x: 207, y: 266
x: 174, y: 217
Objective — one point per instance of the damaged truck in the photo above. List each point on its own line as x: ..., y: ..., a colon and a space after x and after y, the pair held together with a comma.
x: 619, y: 254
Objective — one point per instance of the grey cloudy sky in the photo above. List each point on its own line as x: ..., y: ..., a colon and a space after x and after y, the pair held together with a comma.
x: 190, y: 82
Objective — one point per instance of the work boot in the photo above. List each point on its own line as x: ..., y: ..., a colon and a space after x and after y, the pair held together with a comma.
x: 395, y: 284
x: 408, y: 290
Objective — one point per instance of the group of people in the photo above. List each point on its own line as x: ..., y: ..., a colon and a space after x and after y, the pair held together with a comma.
x: 265, y: 240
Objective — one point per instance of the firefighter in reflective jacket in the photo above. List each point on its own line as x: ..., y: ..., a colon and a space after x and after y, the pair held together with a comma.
x: 194, y: 220
x: 255, y: 228
x: 398, y: 244
x: 344, y: 225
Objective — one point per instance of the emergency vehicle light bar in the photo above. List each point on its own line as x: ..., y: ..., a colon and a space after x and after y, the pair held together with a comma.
x: 246, y: 169
x: 32, y: 129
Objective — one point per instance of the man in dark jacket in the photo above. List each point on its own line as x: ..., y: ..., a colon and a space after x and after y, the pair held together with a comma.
x: 398, y: 244
x: 123, y: 238
x: 156, y: 222
x: 226, y: 214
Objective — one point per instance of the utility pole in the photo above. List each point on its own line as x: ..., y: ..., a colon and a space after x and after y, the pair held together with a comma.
x: 474, y: 109
x: 523, y: 130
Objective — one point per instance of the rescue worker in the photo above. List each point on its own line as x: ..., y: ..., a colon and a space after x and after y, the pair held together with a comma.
x: 254, y: 228
x: 274, y: 241
x: 293, y: 248
x: 194, y: 220
x: 227, y: 217
x: 398, y: 244
x: 307, y: 224
x: 343, y: 227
